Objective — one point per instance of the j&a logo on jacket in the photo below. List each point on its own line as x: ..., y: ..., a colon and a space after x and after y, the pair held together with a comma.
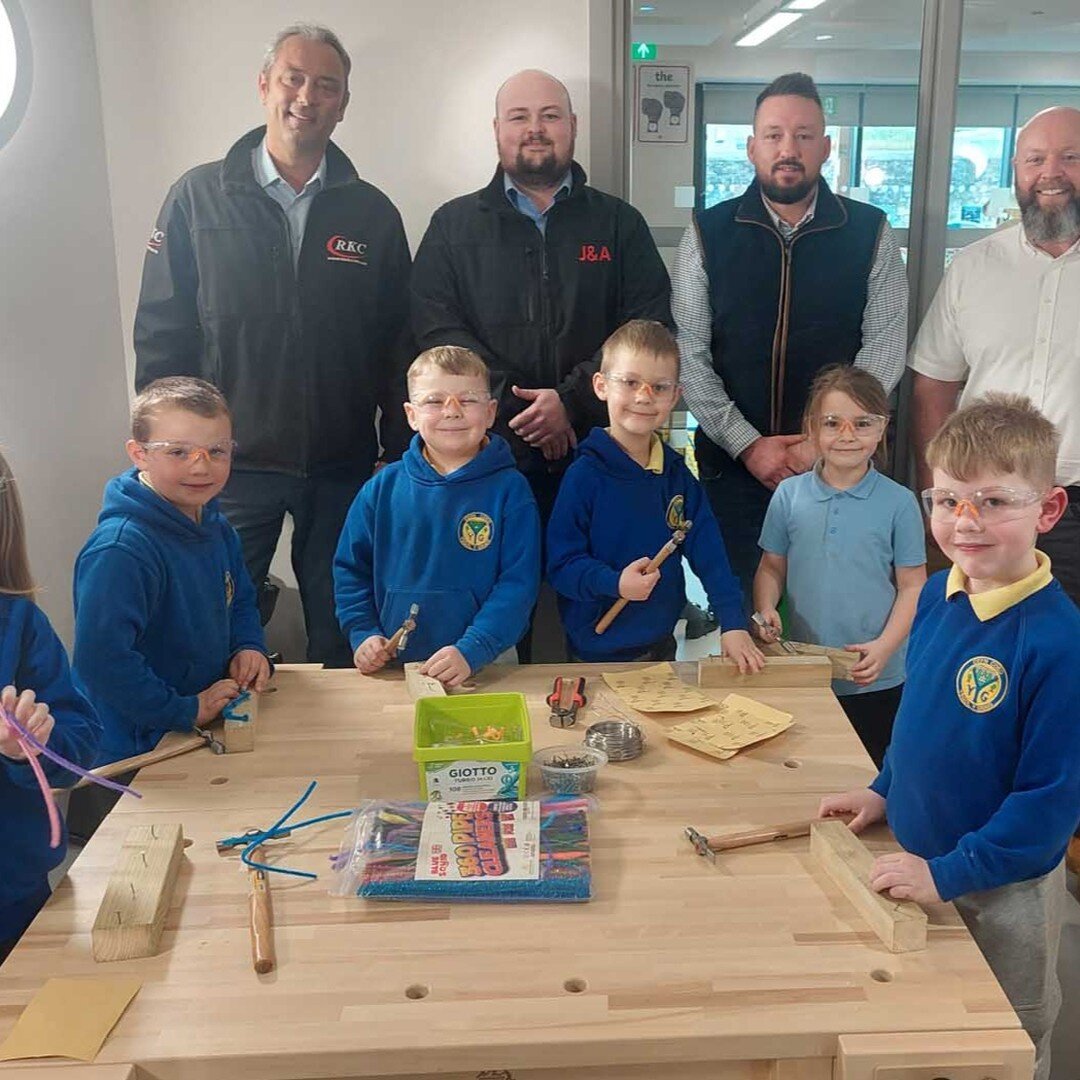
x: 981, y: 683
x: 342, y: 249
x: 594, y: 253
x: 476, y: 531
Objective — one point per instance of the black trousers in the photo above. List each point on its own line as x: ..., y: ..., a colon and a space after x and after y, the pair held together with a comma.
x: 872, y: 717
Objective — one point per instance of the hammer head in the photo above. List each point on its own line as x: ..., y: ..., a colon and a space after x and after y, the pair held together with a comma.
x: 701, y: 843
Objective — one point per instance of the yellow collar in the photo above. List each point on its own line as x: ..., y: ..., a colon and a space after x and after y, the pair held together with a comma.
x: 427, y: 457
x: 988, y: 604
x: 656, y: 455
x: 145, y: 481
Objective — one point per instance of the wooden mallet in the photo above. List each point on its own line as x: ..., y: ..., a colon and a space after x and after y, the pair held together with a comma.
x: 677, y: 537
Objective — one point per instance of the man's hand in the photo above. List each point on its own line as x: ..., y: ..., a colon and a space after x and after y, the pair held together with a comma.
x: 767, y: 458
x: 447, y: 665
x: 874, y: 656
x: 558, y: 446
x: 250, y: 669
x: 544, y: 418
x: 904, y: 877
x: 33, y: 715
x: 739, y: 646
x: 213, y: 699
x: 801, y: 456
x: 371, y: 654
x: 867, y: 806
x: 634, y: 583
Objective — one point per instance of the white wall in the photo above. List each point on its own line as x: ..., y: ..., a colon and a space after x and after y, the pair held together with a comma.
x: 178, y: 88
x: 63, y: 405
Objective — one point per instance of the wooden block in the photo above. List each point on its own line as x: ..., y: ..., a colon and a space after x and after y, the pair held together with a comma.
x: 842, y: 661
x: 900, y: 924
x: 240, y: 719
x: 422, y: 685
x: 779, y: 671
x: 139, y: 891
x: 930, y: 1055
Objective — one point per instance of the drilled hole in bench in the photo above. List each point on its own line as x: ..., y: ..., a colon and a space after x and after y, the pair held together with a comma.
x: 881, y: 975
x: 792, y: 763
x: 416, y: 991
x: 575, y: 986
x: 220, y: 780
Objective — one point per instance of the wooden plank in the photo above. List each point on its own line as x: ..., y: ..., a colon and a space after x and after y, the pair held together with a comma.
x: 779, y: 671
x: 137, y: 897
x: 900, y: 924
x: 56, y: 1071
x: 239, y: 725
x: 422, y: 685
x: 959, y: 1055
x: 842, y: 661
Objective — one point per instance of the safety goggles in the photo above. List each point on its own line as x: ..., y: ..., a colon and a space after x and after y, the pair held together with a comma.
x: 437, y: 403
x: 864, y: 426
x: 188, y: 453
x: 987, y: 506
x: 631, y: 384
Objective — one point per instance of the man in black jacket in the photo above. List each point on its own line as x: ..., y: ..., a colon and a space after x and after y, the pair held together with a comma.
x: 533, y: 272
x: 281, y: 277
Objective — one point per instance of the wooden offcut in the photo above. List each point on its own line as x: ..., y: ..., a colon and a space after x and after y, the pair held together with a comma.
x: 901, y: 924
x: 842, y: 661
x: 780, y: 672
x: 240, y: 720
x: 132, y: 913
x: 420, y: 686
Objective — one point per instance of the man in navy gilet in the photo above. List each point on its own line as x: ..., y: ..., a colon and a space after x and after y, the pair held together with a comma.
x: 768, y: 288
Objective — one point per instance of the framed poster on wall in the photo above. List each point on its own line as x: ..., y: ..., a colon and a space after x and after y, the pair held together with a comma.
x: 662, y: 102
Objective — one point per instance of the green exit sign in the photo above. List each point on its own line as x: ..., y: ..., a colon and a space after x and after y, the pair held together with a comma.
x: 828, y: 105
x: 642, y: 50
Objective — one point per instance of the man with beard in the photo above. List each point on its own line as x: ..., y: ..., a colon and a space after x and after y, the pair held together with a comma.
x: 1005, y: 318
x: 533, y: 272
x: 767, y: 289
x: 281, y: 277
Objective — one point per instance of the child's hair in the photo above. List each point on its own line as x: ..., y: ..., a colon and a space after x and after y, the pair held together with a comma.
x: 642, y: 336
x: 1002, y: 433
x: 175, y: 392
x: 865, y: 390
x: 15, y: 578
x: 449, y: 359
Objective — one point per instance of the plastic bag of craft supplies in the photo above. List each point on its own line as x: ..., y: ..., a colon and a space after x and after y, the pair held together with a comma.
x: 504, y: 851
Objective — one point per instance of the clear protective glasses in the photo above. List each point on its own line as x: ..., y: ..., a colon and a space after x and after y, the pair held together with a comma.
x: 864, y: 427
x: 631, y: 384
x: 985, y: 506
x: 436, y: 403
x: 188, y: 453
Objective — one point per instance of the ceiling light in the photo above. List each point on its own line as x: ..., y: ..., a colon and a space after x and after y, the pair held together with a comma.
x: 647, y: 9
x: 802, y: 5
x: 765, y: 30
x: 823, y: 37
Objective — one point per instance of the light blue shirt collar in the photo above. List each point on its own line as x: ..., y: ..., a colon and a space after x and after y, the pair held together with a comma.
x: 862, y: 490
x: 524, y: 205
x: 267, y: 175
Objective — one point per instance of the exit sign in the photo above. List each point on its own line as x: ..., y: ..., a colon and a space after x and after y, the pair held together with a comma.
x: 642, y: 50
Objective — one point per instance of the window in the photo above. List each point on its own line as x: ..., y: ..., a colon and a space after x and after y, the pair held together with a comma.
x: 14, y: 68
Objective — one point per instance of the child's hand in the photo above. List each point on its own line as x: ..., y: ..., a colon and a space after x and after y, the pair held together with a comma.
x: 773, y: 627
x: 371, y: 654
x: 634, y: 583
x: 739, y: 646
x: 867, y: 806
x: 447, y: 665
x: 33, y: 715
x: 250, y: 669
x: 904, y: 877
x: 874, y: 657
x: 213, y: 699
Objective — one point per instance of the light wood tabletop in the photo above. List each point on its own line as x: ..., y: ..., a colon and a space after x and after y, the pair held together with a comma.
x: 755, y: 968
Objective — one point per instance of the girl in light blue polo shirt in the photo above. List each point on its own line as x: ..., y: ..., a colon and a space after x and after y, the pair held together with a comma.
x: 846, y: 544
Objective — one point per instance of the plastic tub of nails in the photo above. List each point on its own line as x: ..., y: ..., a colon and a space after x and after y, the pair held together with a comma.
x: 569, y: 770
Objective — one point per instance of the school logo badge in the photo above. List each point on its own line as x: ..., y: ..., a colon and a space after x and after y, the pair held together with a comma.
x: 981, y: 683
x: 676, y: 516
x: 342, y: 249
x: 157, y: 238
x: 476, y: 531
x: 230, y: 589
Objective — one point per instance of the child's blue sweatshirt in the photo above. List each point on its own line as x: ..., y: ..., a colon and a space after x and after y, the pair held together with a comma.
x: 32, y: 658
x: 465, y: 547
x: 982, y: 777
x: 162, y: 604
x: 611, y: 511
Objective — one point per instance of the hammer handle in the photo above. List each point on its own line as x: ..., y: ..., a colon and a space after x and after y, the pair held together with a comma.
x: 395, y: 640
x: 654, y: 564
x: 759, y: 836
x: 262, y: 924
x: 172, y: 744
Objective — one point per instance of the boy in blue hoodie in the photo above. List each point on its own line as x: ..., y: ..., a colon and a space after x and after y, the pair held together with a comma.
x: 38, y: 692
x: 167, y: 630
x: 452, y: 528
x: 620, y: 502
x: 981, y: 782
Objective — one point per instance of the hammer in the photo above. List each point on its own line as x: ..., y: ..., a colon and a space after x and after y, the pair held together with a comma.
x: 263, y: 957
x: 401, y: 635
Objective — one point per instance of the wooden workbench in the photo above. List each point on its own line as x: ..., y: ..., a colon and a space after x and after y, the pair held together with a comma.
x: 755, y: 969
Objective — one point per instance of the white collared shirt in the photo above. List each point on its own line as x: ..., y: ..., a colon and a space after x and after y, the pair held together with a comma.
x: 1006, y: 317
x: 296, y: 204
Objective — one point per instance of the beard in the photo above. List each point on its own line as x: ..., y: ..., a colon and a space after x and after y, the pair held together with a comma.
x: 1049, y: 226
x: 546, y: 169
x: 785, y: 194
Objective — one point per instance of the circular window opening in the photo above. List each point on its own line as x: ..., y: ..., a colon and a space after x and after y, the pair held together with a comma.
x: 14, y: 68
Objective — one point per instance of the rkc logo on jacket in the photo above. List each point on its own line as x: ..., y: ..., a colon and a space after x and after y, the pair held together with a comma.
x: 342, y: 249
x: 476, y: 531
x: 981, y: 683
x: 157, y: 238
x: 594, y: 253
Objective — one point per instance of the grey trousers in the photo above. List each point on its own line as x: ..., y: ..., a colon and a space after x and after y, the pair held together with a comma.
x: 1018, y: 929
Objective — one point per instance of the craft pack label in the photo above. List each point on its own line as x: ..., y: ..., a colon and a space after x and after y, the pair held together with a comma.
x: 452, y: 781
x: 477, y: 841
